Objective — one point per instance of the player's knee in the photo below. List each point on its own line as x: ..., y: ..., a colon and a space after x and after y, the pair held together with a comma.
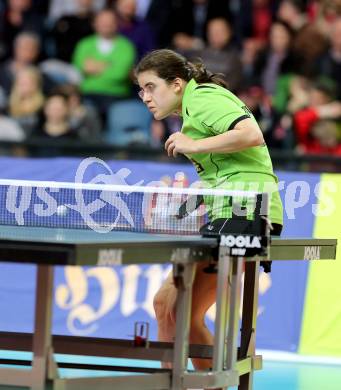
x: 197, y: 320
x: 196, y: 328
x: 159, y: 304
x: 161, y: 308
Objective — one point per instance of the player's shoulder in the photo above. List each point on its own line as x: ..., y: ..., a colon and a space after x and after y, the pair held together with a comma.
x: 208, y: 95
x: 209, y: 91
x: 204, y: 89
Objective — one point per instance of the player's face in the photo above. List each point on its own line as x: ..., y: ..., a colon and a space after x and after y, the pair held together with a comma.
x: 162, y: 98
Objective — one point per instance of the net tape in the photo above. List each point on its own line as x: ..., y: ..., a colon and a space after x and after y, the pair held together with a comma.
x: 107, y: 207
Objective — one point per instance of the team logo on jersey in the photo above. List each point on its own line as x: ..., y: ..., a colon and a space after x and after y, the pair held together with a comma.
x: 207, y: 127
x: 198, y: 167
x: 247, y: 110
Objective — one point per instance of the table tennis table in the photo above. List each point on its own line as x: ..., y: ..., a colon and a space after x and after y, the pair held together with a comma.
x: 232, y: 364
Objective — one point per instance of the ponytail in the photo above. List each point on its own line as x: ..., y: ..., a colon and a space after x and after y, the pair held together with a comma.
x: 202, y: 75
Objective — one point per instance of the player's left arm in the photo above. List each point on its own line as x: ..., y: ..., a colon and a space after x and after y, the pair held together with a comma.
x: 245, y: 134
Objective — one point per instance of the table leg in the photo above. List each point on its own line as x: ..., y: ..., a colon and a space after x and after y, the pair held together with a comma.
x: 221, y: 309
x: 249, y: 320
x: 43, y: 365
x: 234, y: 308
x: 185, y: 274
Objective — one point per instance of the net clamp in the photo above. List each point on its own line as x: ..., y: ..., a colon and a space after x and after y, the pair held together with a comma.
x: 141, y: 334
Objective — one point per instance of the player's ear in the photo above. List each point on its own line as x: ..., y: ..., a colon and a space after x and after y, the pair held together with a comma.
x: 178, y: 84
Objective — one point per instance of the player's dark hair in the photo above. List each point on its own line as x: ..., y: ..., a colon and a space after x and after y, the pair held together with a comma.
x: 169, y: 65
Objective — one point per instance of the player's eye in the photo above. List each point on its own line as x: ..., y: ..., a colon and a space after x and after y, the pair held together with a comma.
x: 149, y: 89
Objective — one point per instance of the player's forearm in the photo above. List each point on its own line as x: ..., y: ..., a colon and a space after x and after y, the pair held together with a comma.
x: 229, y: 142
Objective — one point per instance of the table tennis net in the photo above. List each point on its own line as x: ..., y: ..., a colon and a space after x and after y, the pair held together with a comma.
x: 104, y: 208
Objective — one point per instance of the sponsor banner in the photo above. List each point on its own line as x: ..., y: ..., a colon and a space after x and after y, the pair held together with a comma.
x: 321, y: 328
x: 91, y: 301
x: 17, y: 286
x: 106, y: 301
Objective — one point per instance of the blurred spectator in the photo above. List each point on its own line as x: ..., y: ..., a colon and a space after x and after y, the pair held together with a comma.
x: 10, y: 130
x: 324, y: 12
x: 251, y: 19
x: 60, y: 8
x: 138, y: 31
x: 187, y: 45
x: 142, y: 8
x: 3, y: 99
x: 26, y: 51
x: 309, y: 43
x: 220, y: 55
x: 249, y: 52
x: 161, y: 130
x: 241, y: 19
x: 191, y: 22
x: 298, y: 94
x: 59, y: 72
x: 276, y: 59
x: 55, y: 122
x: 93, y: 44
x: 192, y: 15
x: 292, y: 93
x: 26, y: 99
x: 106, y: 60
x: 39, y: 6
x: 158, y: 14
x: 160, y: 17
x: 16, y: 17
x: 158, y: 133
x: 259, y: 104
x: 83, y: 119
x: 70, y: 29
x: 328, y: 135
x: 329, y: 63
x: 322, y: 106
x: 293, y: 13
x: 261, y: 20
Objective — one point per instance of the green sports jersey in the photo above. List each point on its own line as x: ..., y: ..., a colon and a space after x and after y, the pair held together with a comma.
x: 209, y: 110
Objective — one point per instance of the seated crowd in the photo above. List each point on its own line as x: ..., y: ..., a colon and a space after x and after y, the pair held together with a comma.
x: 66, y: 67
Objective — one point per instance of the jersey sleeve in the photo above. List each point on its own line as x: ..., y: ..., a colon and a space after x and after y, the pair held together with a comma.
x: 216, y: 112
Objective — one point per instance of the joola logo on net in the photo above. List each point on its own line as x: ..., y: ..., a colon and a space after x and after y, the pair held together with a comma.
x: 240, y: 241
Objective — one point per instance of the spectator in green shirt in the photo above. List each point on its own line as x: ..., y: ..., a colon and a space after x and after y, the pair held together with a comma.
x: 105, y: 60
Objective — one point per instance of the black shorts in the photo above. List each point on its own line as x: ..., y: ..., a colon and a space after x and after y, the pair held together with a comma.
x: 238, y: 226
